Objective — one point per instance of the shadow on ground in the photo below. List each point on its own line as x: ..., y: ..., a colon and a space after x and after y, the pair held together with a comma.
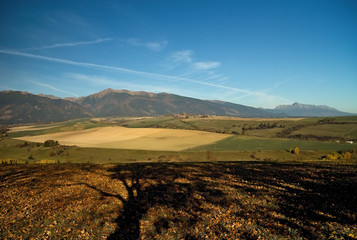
x: 236, y: 200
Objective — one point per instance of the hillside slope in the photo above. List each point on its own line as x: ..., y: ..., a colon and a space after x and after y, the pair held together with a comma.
x: 110, y: 103
x: 22, y: 107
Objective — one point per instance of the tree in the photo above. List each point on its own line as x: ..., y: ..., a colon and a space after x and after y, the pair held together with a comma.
x: 347, y: 155
x: 50, y: 143
x: 296, y: 150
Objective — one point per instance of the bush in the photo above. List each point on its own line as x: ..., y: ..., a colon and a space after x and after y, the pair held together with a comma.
x: 50, y: 143
x: 333, y: 156
x: 343, y: 155
x: 296, y: 150
x: 347, y: 155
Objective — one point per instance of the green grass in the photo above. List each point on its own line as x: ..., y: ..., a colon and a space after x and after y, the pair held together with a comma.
x: 346, y: 131
x: 222, y: 151
x: 256, y: 144
x: 12, y: 149
x: 247, y: 143
x: 308, y: 126
x: 144, y: 122
x: 205, y: 124
x: 72, y: 125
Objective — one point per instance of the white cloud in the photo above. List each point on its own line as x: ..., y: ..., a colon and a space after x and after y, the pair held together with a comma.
x: 206, y: 65
x: 182, y: 56
x: 153, y: 46
x: 156, y: 46
x: 72, y: 44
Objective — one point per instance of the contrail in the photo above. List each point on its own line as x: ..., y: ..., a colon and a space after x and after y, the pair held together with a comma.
x: 126, y: 70
x: 71, y: 44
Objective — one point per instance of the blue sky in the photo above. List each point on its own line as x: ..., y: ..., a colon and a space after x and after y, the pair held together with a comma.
x: 256, y: 53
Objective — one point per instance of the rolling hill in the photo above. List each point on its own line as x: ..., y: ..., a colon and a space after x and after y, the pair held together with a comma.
x: 111, y: 103
x: 23, y: 107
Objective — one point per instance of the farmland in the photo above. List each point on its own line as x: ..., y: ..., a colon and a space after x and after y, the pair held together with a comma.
x: 132, y: 138
x: 167, y: 138
x: 170, y: 178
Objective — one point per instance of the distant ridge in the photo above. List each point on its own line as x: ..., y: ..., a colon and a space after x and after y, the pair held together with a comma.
x: 48, y: 96
x: 110, y: 103
x: 23, y: 107
x: 308, y: 110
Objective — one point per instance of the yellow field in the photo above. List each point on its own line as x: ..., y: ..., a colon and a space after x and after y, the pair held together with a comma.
x: 132, y: 138
x: 28, y: 128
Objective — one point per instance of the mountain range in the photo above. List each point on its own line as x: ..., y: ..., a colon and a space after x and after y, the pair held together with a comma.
x: 23, y: 107
x: 307, y: 110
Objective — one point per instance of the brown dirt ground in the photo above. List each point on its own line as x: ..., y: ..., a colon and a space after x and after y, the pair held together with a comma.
x: 246, y: 200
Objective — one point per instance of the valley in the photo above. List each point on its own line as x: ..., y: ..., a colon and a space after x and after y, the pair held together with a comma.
x: 177, y: 175
x: 169, y: 138
x: 178, y: 120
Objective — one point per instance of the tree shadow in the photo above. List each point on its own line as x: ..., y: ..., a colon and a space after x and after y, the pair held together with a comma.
x: 304, y: 197
x: 154, y: 185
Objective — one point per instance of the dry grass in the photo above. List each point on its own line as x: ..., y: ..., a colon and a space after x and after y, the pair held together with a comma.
x: 132, y: 138
x: 28, y: 128
x: 178, y: 201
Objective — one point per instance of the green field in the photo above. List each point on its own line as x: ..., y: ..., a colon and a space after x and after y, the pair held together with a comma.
x: 344, y: 127
x: 259, y: 141
x: 71, y: 125
x: 346, y: 131
x: 246, y: 143
x: 249, y: 185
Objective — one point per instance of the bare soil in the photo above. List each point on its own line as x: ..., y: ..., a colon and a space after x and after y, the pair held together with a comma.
x: 232, y: 200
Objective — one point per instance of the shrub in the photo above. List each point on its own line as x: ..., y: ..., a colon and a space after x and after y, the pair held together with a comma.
x: 296, y: 150
x: 50, y: 143
x: 343, y: 155
x: 332, y: 156
x: 346, y: 155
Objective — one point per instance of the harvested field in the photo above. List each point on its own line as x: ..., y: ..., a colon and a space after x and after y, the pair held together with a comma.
x: 232, y: 200
x: 132, y: 138
x: 28, y: 128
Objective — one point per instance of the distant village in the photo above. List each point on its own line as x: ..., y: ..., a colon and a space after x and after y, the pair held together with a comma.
x: 185, y: 116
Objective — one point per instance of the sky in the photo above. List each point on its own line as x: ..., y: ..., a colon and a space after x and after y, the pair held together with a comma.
x: 256, y: 53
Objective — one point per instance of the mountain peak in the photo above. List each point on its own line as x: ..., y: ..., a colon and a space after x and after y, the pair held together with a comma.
x: 133, y: 93
x: 308, y: 110
x: 125, y: 103
x: 48, y: 96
